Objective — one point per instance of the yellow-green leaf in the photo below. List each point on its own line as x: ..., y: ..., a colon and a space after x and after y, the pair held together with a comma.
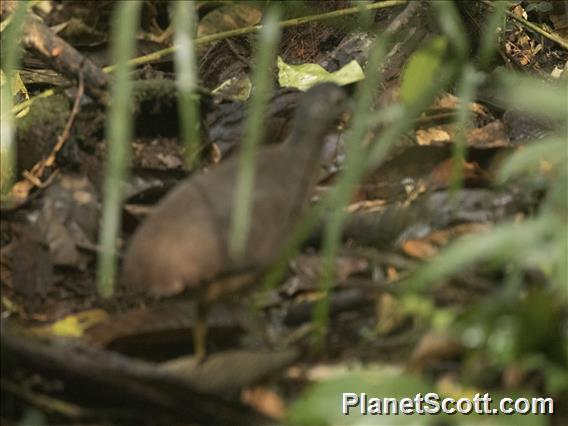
x: 72, y: 325
x: 304, y: 76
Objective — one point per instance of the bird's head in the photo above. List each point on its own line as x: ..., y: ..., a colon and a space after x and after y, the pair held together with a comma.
x: 319, y: 109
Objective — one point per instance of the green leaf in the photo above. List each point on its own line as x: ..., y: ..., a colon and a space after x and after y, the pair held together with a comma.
x: 421, y: 69
x: 304, y: 76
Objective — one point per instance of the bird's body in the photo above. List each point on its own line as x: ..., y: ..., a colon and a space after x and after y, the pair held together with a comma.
x: 183, y: 246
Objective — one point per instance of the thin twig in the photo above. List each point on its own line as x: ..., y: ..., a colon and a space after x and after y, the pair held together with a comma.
x: 37, y: 182
x: 67, y: 129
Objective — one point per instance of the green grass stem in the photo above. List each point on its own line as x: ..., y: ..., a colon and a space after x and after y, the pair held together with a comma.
x: 10, y: 61
x: 253, y: 132
x: 186, y: 78
x: 119, y: 132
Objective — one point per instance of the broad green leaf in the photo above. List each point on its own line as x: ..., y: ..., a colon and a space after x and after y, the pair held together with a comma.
x: 304, y: 76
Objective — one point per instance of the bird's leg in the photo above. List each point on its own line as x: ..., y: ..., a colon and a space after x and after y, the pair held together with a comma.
x: 200, y: 332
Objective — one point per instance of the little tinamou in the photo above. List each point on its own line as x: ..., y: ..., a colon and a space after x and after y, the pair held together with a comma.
x: 183, y: 247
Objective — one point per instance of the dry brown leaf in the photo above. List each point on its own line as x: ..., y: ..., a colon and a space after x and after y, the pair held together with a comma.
x: 428, y: 246
x: 264, y: 401
x: 493, y: 135
x: 419, y: 249
x: 560, y: 23
x: 432, y: 135
x: 226, y: 18
x: 441, y: 176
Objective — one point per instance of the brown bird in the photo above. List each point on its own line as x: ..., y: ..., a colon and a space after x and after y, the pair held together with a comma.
x: 183, y: 247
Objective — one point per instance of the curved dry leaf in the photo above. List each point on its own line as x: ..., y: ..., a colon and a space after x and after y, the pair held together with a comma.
x: 226, y: 18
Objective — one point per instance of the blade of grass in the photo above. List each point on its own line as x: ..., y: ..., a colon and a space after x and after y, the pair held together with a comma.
x: 451, y: 24
x: 505, y: 242
x: 10, y: 60
x: 119, y: 132
x: 488, y: 44
x: 529, y: 158
x: 354, y: 166
x: 186, y: 78
x: 466, y: 93
x: 253, y: 133
x: 364, y: 18
x: 528, y: 94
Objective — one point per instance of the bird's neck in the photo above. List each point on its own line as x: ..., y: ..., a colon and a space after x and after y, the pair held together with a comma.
x: 306, y: 142
x: 303, y: 150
